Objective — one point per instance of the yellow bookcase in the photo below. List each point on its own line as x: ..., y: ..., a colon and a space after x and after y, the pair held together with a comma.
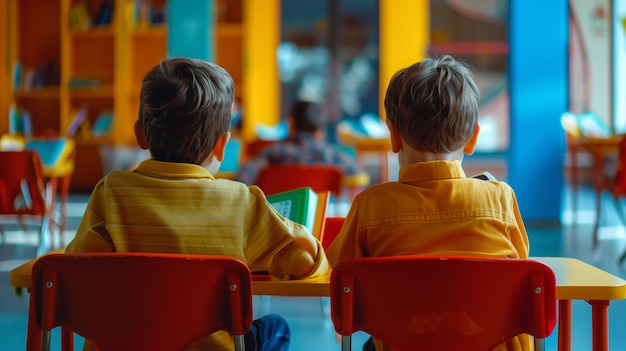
x: 100, y: 67
x: 66, y: 64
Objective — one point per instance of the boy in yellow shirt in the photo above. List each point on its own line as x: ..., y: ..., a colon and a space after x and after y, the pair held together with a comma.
x: 173, y: 203
x: 433, y: 208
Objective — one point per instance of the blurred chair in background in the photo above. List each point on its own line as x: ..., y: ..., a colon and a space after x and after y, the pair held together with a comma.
x: 26, y: 195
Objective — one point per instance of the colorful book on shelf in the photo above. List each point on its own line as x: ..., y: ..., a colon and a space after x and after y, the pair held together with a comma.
x: 15, y: 122
x: 105, y: 13
x: 20, y: 121
x: 103, y: 124
x: 76, y: 118
x: 79, y: 16
x: 17, y: 75
x: 302, y: 206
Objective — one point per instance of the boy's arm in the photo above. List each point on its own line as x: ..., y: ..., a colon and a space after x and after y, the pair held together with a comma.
x: 519, y: 237
x: 347, y: 244
x: 91, y: 235
x: 277, y: 245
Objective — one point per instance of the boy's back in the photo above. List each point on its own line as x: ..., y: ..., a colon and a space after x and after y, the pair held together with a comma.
x: 169, y: 207
x: 432, y: 209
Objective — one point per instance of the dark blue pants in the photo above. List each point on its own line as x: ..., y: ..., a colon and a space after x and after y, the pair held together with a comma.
x: 369, y: 345
x: 268, y: 333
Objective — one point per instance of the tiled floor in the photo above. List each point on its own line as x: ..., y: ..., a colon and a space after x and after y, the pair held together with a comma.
x: 311, y: 326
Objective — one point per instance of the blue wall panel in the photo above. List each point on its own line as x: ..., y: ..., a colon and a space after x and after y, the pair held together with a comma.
x: 538, y: 78
x: 190, y: 24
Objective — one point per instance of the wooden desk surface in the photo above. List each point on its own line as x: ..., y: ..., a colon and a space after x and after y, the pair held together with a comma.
x: 576, y: 280
x: 611, y: 141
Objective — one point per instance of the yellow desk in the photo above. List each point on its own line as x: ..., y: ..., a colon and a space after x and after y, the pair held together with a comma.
x: 20, y: 278
x: 575, y: 279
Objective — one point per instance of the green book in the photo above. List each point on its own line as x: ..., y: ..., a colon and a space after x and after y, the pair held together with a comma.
x: 298, y: 205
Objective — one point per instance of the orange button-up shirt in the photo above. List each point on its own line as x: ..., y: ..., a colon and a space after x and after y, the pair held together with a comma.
x: 434, y: 209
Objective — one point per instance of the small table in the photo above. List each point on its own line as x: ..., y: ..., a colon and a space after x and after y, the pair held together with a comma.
x: 598, y: 148
x: 575, y: 280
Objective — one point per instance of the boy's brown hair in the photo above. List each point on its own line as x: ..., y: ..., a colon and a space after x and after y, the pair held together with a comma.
x: 307, y: 116
x: 434, y: 104
x: 185, y: 106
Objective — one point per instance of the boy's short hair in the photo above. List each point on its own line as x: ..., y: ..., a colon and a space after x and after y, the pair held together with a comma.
x: 307, y: 116
x: 185, y: 106
x: 434, y: 104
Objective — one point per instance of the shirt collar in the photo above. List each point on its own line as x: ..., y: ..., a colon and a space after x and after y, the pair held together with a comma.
x: 172, y: 170
x: 433, y: 170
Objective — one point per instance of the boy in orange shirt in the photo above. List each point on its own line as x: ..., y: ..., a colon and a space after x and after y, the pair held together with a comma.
x: 433, y: 208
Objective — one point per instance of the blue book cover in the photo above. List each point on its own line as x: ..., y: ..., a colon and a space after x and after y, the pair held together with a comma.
x: 103, y: 124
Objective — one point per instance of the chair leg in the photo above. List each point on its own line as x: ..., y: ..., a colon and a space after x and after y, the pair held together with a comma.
x: 596, y: 226
x: 622, y: 217
x: 67, y: 339
x: 45, y: 340
x: 240, y: 345
x: 346, y: 342
x: 45, y: 236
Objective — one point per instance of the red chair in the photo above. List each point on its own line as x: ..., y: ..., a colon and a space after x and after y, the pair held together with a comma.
x: 454, y: 303
x: 331, y: 230
x: 278, y: 178
x: 25, y: 196
x: 138, y: 301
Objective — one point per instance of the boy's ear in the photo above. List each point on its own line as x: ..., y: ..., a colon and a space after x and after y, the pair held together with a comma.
x: 220, y: 146
x: 394, y: 136
x: 471, y: 144
x: 140, y: 136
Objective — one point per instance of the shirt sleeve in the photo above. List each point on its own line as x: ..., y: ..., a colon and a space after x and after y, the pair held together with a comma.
x: 348, y: 243
x: 518, y: 235
x: 91, y: 235
x: 279, y: 246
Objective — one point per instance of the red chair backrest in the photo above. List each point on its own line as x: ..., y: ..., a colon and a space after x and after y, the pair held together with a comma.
x: 620, y: 173
x: 428, y: 303
x: 16, y: 167
x: 331, y: 230
x: 278, y: 178
x: 142, y: 301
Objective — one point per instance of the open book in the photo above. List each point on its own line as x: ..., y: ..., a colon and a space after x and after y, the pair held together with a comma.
x: 302, y: 206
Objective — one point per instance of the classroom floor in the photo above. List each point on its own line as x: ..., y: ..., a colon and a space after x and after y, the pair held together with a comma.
x: 310, y: 323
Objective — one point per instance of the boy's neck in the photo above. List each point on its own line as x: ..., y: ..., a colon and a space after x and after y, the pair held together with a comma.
x: 408, y: 156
